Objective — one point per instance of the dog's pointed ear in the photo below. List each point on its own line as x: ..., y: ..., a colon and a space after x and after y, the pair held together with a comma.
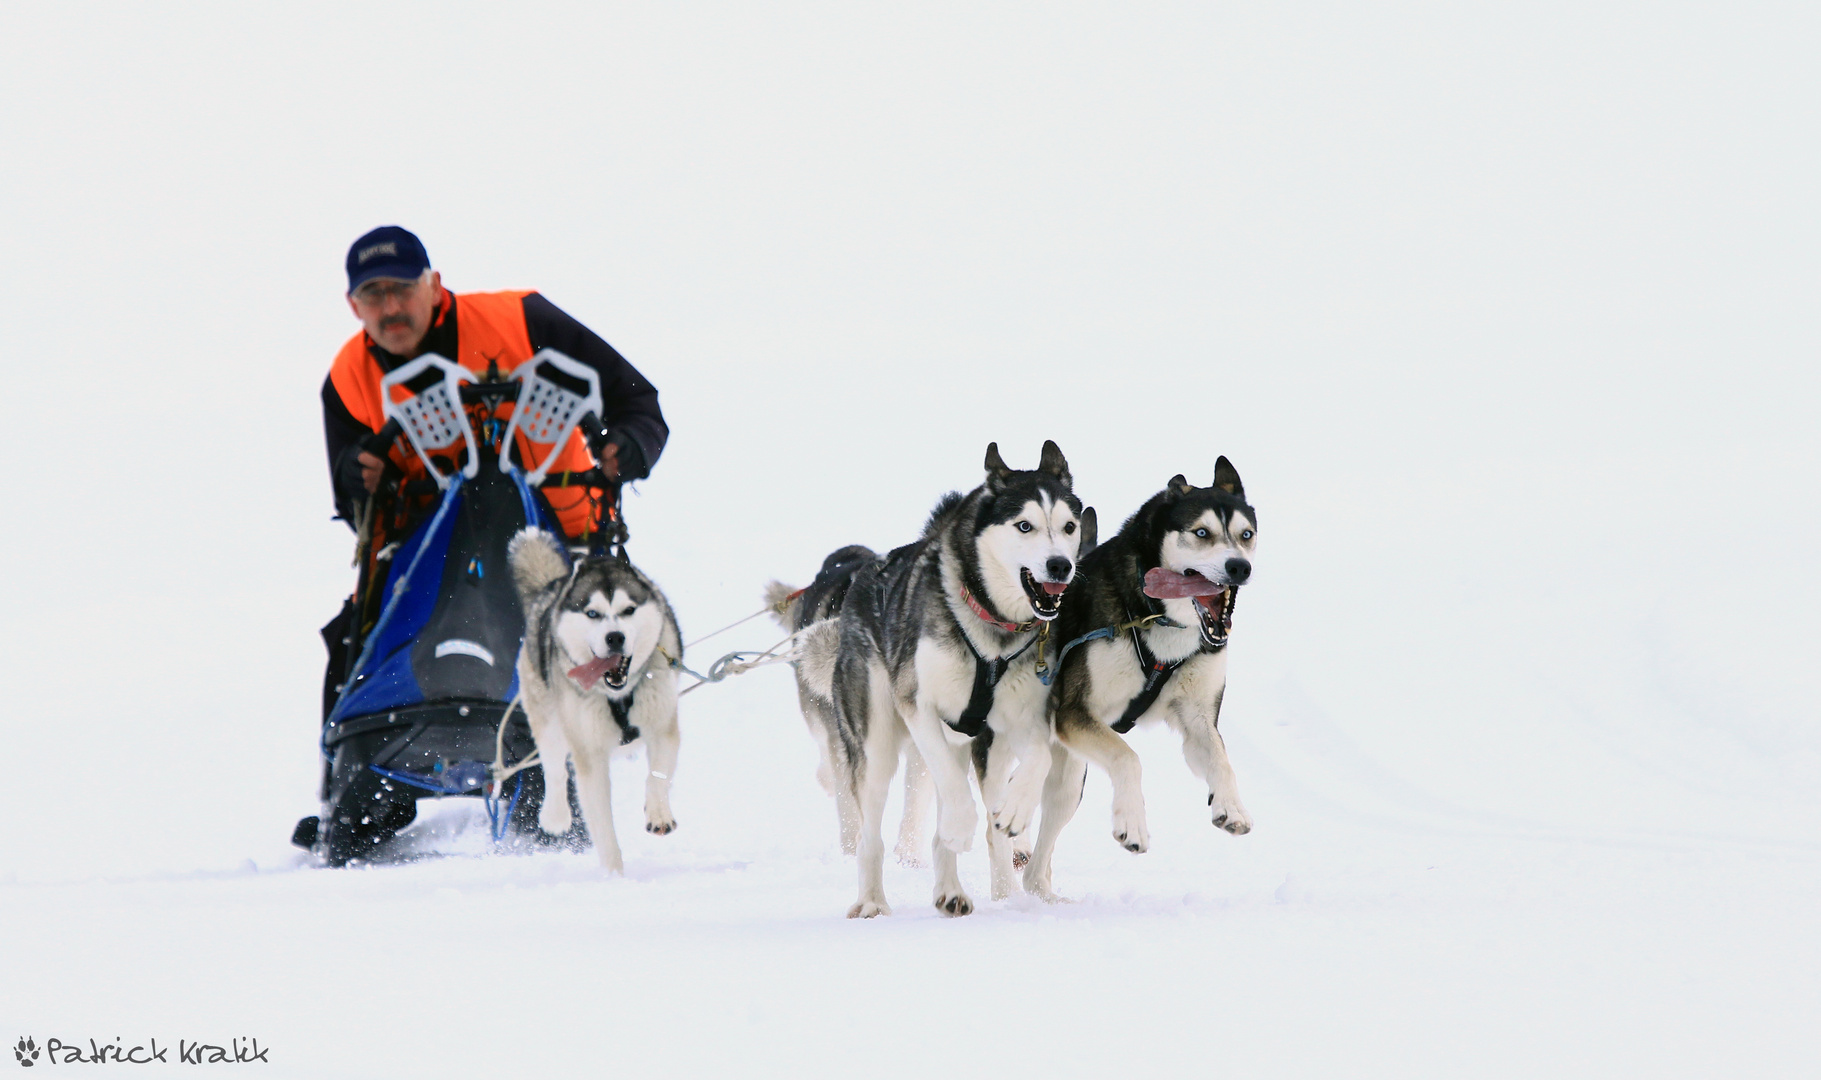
x: 1054, y: 463
x: 1090, y: 532
x: 1226, y: 478
x: 1177, y: 487
x: 996, y: 469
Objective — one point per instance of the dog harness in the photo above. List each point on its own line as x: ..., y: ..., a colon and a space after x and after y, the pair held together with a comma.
x: 622, y: 715
x: 1156, y: 672
x: 987, y: 673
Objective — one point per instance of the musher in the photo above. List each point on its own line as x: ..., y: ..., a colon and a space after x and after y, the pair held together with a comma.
x: 405, y: 312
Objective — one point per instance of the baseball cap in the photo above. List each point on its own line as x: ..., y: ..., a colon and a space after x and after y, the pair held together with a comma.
x: 386, y: 252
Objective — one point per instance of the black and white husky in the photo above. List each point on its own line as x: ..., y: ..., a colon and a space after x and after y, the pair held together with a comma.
x: 935, y: 641
x: 596, y: 671
x: 1159, y: 598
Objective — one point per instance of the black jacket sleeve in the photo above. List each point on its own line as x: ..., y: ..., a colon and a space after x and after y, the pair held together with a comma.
x: 342, y: 434
x: 628, y: 401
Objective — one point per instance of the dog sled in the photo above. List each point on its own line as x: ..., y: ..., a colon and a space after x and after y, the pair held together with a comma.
x: 423, y: 656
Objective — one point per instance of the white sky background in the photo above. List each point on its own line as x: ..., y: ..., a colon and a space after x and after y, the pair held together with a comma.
x: 1506, y: 314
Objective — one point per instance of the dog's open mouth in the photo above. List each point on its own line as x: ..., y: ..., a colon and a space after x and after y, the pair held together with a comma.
x: 614, y: 667
x: 1213, y: 601
x: 1045, y: 596
x: 1215, y: 615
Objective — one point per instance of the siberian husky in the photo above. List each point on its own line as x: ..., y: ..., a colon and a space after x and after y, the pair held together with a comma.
x: 1162, y: 590
x: 596, y: 671
x: 935, y: 641
x: 798, y: 610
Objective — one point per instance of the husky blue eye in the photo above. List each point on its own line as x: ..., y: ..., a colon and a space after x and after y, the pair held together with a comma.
x: 592, y: 614
x: 1203, y: 533
x: 1024, y: 526
x: 1245, y: 534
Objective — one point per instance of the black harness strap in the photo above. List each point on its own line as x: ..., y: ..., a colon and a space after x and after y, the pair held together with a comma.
x: 622, y: 715
x: 1156, y: 674
x: 987, y: 673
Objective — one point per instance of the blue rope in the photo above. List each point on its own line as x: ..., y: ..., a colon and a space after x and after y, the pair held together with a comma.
x: 418, y: 780
x: 497, y: 824
x: 385, y: 615
x: 1047, y: 674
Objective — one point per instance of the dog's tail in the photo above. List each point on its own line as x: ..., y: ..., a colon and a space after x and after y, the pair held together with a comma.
x: 536, y: 559
x: 784, y: 602
x: 821, y: 598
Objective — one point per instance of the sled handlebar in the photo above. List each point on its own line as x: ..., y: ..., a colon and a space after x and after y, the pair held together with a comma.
x: 474, y: 393
x: 381, y: 441
x: 594, y: 432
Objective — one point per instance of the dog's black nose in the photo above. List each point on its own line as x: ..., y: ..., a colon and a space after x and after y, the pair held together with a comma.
x: 1059, y: 568
x: 616, y: 641
x: 1238, y: 570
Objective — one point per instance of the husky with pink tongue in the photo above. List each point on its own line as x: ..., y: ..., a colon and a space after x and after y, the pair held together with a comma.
x: 1145, y: 633
x: 597, y: 675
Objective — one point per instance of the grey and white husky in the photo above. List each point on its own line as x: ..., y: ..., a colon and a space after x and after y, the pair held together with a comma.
x: 1164, y: 587
x: 597, y: 676
x: 934, y: 641
x: 800, y: 610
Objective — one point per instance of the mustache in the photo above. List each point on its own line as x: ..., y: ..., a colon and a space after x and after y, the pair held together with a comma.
x: 395, y: 320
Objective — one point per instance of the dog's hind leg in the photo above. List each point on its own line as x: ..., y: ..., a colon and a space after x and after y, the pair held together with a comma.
x: 875, y: 781
x: 918, y: 793
x: 1061, y: 797
x: 1102, y: 746
x: 595, y: 788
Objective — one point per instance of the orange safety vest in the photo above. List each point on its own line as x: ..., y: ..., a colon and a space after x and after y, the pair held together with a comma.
x: 489, y: 329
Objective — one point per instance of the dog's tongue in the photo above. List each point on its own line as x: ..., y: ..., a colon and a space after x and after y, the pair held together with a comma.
x: 1164, y: 584
x: 590, y: 673
x: 1054, y: 588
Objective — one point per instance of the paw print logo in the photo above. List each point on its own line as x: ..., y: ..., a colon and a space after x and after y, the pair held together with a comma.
x: 26, y: 1052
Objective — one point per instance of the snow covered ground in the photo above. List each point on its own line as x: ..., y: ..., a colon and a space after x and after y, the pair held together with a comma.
x: 1505, y: 314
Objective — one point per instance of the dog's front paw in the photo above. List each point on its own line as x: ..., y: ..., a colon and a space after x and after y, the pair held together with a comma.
x: 954, y: 904
x: 1129, y: 828
x: 1013, y: 818
x: 660, y: 822
x: 869, y: 907
x: 554, y: 817
x: 1230, y: 815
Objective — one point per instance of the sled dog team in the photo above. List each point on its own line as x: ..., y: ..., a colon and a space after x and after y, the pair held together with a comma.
x: 1004, y: 643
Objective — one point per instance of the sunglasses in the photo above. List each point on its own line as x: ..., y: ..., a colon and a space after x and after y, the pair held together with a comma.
x: 379, y: 291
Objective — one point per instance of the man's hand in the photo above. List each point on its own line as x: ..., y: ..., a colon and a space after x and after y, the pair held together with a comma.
x: 610, y: 461
x: 371, y: 470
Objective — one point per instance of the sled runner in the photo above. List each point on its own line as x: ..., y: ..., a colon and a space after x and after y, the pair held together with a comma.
x: 423, y: 654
